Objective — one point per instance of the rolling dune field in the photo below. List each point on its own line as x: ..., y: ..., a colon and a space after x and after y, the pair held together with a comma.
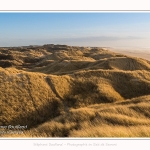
x: 70, y: 91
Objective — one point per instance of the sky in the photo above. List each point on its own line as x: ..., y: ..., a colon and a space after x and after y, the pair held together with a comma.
x: 102, y: 29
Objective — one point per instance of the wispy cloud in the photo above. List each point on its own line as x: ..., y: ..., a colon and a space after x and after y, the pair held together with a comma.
x: 97, y: 38
x: 90, y: 40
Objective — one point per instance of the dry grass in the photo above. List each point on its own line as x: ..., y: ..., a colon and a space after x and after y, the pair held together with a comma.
x: 75, y: 92
x: 100, y: 120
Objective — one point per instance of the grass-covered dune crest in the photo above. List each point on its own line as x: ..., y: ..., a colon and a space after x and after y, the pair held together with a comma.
x: 67, y: 91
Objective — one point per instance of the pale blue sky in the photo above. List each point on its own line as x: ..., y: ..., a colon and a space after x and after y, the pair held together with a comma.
x: 110, y: 29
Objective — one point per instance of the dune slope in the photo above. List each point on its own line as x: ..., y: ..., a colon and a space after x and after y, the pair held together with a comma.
x: 66, y: 91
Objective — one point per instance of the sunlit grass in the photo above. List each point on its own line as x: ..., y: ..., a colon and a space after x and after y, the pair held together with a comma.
x: 75, y: 93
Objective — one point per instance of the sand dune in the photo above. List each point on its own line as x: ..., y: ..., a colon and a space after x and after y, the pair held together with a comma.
x: 65, y: 91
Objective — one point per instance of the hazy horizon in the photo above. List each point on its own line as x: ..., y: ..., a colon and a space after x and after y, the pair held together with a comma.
x: 117, y: 30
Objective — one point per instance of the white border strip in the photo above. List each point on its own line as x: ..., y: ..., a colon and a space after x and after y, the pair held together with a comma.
x: 31, y: 5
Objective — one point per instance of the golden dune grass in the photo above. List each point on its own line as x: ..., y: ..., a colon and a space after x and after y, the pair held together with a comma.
x: 75, y: 93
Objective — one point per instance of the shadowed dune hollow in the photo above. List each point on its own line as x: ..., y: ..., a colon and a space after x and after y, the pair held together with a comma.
x: 68, y: 91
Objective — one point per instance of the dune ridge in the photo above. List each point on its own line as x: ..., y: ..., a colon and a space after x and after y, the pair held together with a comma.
x: 68, y: 91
